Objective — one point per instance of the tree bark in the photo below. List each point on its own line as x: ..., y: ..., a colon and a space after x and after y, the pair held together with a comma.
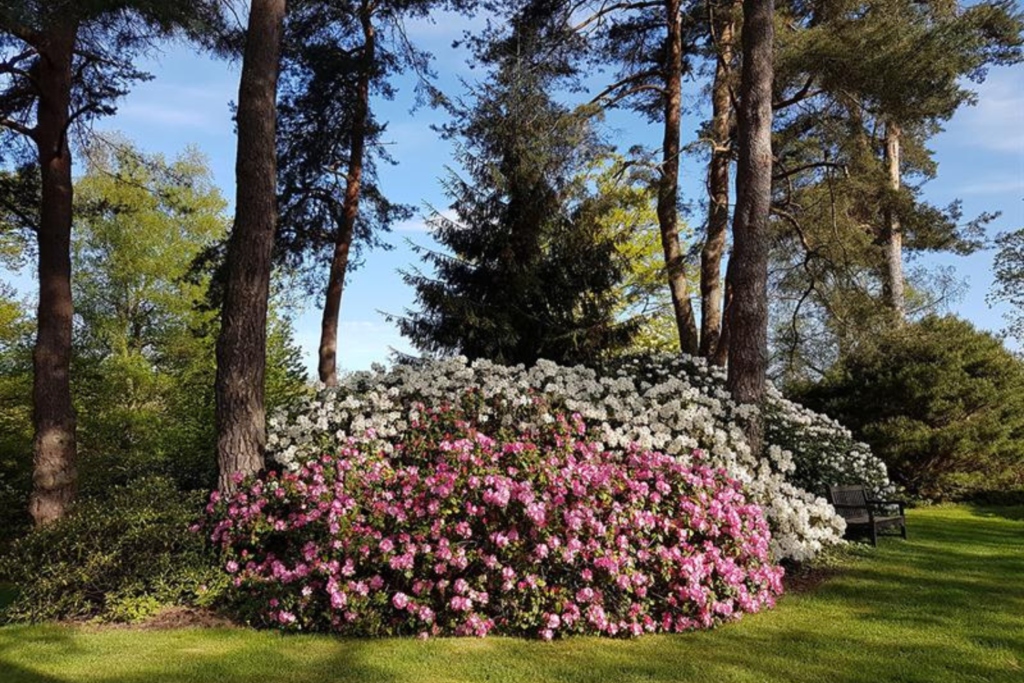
x: 54, y: 451
x: 720, y: 356
x: 668, y: 190
x: 894, y: 292
x: 241, y: 347
x: 328, y: 366
x: 718, y: 195
x: 748, y: 266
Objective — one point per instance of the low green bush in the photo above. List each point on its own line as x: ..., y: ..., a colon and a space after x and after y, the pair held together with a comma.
x: 941, y: 402
x: 119, y: 557
x: 14, y: 517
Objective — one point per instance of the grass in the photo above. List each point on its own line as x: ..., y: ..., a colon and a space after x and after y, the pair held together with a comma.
x: 948, y: 605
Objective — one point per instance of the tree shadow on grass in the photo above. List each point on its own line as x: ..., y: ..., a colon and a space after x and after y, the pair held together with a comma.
x: 1012, y: 512
x: 192, y: 656
x: 29, y: 636
x: 799, y: 656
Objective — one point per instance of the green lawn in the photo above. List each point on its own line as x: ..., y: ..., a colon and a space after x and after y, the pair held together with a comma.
x: 948, y: 605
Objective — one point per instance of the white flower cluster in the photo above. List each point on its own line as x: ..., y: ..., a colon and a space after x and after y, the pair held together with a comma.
x: 823, y: 450
x: 668, y: 403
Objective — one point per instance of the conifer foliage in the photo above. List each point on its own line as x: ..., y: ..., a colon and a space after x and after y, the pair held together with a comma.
x: 528, y: 272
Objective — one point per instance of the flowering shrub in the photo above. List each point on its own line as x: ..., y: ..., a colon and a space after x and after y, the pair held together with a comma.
x: 823, y: 451
x: 450, y: 531
x: 672, y: 404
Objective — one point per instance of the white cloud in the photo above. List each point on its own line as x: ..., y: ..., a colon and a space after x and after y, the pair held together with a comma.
x: 996, y: 122
x: 995, y: 186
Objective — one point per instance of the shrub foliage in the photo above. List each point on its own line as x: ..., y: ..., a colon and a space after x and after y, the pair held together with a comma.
x: 121, y: 558
x: 941, y: 402
x: 445, y: 530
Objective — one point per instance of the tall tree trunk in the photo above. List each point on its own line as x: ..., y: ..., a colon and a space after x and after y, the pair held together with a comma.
x: 748, y: 266
x: 894, y: 293
x: 241, y: 347
x: 55, y: 474
x: 328, y: 366
x: 718, y: 193
x: 668, y: 190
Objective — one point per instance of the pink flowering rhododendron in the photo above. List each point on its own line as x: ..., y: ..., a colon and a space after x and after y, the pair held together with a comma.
x: 447, y: 531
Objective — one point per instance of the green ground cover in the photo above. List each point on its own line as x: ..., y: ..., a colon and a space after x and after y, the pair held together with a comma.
x: 947, y: 605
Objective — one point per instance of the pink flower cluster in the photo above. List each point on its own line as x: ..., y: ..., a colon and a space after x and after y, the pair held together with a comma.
x: 454, y: 532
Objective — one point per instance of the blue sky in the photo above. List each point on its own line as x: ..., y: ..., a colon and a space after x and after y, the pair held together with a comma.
x: 981, y: 161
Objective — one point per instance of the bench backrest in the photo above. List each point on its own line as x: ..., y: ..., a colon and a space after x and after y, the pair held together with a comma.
x: 849, y: 495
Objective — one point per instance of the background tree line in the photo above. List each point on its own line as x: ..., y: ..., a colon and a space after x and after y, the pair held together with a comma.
x: 557, y: 244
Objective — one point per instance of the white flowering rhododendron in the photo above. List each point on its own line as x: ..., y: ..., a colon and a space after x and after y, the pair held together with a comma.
x: 671, y: 404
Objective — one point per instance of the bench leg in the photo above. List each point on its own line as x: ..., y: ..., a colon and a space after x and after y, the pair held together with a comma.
x: 903, y: 530
x: 874, y: 536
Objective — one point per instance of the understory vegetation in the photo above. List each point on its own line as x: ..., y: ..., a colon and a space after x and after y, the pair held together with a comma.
x: 942, y: 607
x: 939, y: 401
x: 124, y: 558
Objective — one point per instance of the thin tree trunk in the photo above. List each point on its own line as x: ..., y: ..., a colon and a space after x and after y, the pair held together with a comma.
x: 748, y: 266
x: 668, y: 190
x: 328, y: 366
x: 894, y: 292
x: 718, y: 195
x: 720, y: 357
x: 55, y: 473
x: 241, y: 347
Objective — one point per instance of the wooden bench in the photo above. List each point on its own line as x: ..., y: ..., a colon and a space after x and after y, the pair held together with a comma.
x: 863, y: 514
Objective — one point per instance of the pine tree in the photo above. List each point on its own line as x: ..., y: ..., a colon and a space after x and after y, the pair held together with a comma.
x: 721, y: 131
x: 879, y: 78
x: 64, y: 63
x: 748, y: 267
x: 241, y: 347
x: 338, y: 57
x: 650, y: 44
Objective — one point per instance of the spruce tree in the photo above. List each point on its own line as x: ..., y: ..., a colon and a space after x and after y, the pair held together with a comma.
x: 526, y: 273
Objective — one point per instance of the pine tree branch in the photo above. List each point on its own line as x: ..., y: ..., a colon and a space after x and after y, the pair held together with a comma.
x: 19, y: 128
x: 632, y: 78
x: 802, y: 94
x: 605, y: 10
x: 11, y: 65
x: 807, y: 167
